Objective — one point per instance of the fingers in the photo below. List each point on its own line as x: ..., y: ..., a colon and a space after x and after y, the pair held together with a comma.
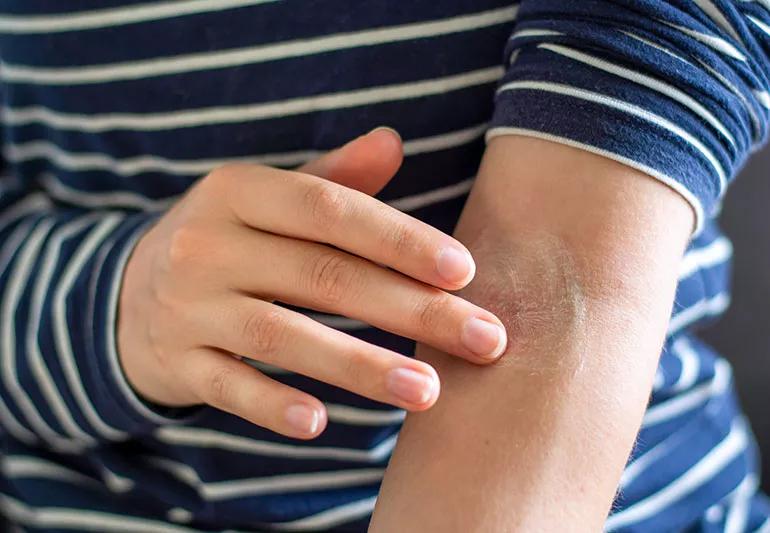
x: 306, y: 207
x: 226, y: 383
x: 320, y: 277
x: 290, y: 340
x: 365, y: 164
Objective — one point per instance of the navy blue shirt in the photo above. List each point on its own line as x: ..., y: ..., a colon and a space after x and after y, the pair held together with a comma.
x: 111, y: 109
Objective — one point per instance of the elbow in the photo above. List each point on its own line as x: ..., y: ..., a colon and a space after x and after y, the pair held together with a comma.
x: 534, y: 285
x: 551, y: 299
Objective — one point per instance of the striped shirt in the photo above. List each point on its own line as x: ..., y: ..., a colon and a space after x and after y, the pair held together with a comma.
x: 110, y: 109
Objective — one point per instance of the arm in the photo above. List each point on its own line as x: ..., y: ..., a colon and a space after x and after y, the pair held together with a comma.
x: 585, y: 296
x: 579, y: 254
x: 66, y: 276
x: 59, y: 269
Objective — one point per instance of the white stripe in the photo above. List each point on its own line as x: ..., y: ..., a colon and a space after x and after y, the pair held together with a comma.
x: 634, y: 469
x: 61, y: 327
x: 738, y: 514
x: 81, y: 519
x: 708, y: 7
x: 28, y: 467
x: 10, y: 245
x: 435, y: 196
x: 103, y: 200
x: 102, y: 18
x: 14, y: 428
x: 755, y: 121
x: 765, y: 527
x: 249, y: 112
x: 621, y: 105
x: 131, y: 200
x: 267, y: 369
x: 341, y: 323
x: 759, y: 24
x: 130, y: 166
x: 534, y: 32
x: 683, y: 350
x: 116, y: 483
x: 238, y: 488
x: 697, y: 311
x: 16, y: 285
x: 659, y: 380
x: 716, y: 252
x: 443, y: 141
x: 764, y: 98
x: 654, y: 45
x: 28, y: 205
x: 345, y: 414
x: 35, y: 358
x: 646, y: 81
x: 205, y: 438
x: 763, y: 3
x: 696, y: 397
x: 164, y: 66
x: 332, y: 517
x: 715, y: 513
x: 671, y: 182
x: 706, y: 468
x: 717, y: 43
x: 177, y: 514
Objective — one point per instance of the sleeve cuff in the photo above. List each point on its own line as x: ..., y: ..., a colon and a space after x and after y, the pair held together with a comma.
x: 118, y: 396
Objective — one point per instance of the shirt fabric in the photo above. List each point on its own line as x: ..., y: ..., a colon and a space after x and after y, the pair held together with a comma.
x: 111, y: 109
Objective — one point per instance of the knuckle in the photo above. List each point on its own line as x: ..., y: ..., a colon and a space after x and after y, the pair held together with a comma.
x: 326, y: 205
x: 402, y: 239
x: 266, y: 331
x: 186, y: 245
x: 220, y: 387
x: 433, y: 310
x: 332, y: 277
x: 224, y: 175
x: 354, y: 368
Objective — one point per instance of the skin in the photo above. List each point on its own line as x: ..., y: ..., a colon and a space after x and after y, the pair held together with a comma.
x: 199, y: 290
x: 578, y: 256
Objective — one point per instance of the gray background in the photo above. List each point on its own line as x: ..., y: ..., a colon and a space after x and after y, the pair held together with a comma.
x: 743, y: 334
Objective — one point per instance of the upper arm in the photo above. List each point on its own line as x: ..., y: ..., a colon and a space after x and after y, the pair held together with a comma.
x: 578, y: 252
x: 675, y: 89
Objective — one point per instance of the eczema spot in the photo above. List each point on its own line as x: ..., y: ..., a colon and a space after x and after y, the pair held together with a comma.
x: 532, y: 284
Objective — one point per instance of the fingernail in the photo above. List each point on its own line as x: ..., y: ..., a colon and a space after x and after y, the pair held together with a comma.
x: 302, y: 418
x: 455, y: 266
x: 411, y: 386
x: 483, y: 338
x: 386, y: 128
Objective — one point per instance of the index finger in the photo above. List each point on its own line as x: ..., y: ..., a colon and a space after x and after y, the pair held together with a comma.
x: 303, y: 206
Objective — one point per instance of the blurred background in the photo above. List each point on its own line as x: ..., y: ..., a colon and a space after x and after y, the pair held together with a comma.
x: 743, y: 334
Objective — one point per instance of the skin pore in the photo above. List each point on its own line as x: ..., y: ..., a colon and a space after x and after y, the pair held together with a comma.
x: 578, y: 256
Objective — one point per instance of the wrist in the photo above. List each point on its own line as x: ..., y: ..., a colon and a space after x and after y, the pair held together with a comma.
x: 136, y: 352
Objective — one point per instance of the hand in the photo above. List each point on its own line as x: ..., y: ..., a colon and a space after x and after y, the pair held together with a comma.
x: 198, y: 290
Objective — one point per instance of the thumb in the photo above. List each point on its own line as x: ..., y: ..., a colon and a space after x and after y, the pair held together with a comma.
x: 366, y: 163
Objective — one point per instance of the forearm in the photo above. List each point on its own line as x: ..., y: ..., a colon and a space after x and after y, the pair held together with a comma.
x: 578, y: 255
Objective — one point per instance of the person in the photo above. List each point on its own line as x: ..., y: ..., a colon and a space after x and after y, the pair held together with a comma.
x: 209, y: 310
